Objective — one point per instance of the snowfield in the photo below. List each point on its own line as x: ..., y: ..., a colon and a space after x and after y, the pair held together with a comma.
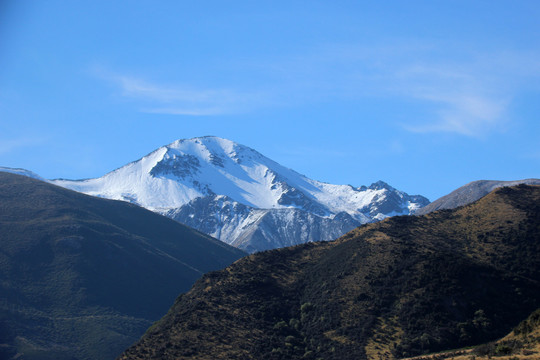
x: 245, y: 190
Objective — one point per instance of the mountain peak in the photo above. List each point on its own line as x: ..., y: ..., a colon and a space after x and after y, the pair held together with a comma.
x: 380, y: 185
x: 176, y: 175
x: 204, y: 140
x: 213, y: 149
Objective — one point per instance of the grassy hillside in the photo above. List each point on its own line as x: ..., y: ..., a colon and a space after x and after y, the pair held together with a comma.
x: 523, y: 343
x: 401, y: 287
x: 83, y: 277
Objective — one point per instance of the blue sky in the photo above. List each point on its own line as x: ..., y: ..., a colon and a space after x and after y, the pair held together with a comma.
x: 425, y: 95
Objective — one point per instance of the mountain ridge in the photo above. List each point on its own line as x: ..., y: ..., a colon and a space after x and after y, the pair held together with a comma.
x: 83, y: 277
x: 174, y: 178
x: 469, y: 193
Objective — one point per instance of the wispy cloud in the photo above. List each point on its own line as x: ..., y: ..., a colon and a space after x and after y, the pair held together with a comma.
x: 462, y: 98
x: 181, y: 99
x: 460, y: 90
x: 471, y: 96
x: 10, y: 145
x: 465, y: 114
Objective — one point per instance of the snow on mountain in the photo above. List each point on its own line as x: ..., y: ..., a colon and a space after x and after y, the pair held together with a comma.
x: 24, y: 172
x: 234, y: 193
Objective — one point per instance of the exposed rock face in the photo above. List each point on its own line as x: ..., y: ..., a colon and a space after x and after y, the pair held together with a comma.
x: 254, y: 229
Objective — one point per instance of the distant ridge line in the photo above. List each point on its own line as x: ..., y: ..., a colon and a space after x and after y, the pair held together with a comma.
x: 469, y: 193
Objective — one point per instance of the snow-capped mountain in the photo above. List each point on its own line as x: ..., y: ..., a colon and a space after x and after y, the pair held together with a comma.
x: 243, y: 198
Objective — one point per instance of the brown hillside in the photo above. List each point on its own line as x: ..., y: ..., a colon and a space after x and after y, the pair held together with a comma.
x: 402, y: 287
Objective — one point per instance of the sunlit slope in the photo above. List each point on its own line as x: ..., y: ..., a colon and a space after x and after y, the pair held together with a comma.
x: 236, y: 194
x: 405, y: 286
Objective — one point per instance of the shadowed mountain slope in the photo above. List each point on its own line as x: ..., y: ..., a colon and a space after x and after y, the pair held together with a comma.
x: 523, y: 343
x: 83, y: 277
x: 405, y: 286
x: 469, y: 193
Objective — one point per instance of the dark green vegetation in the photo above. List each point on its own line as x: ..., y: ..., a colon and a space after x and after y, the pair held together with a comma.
x: 523, y: 343
x: 405, y: 286
x: 524, y: 340
x: 83, y: 277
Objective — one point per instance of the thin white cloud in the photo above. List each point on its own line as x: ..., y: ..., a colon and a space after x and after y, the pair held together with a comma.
x: 459, y: 90
x: 181, y: 99
x: 470, y: 97
x: 10, y: 145
x: 463, y: 101
x: 138, y: 88
x: 463, y: 114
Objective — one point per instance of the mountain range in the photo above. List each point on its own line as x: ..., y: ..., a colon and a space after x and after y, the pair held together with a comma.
x: 405, y: 286
x: 243, y: 198
x: 237, y: 195
x: 83, y: 277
